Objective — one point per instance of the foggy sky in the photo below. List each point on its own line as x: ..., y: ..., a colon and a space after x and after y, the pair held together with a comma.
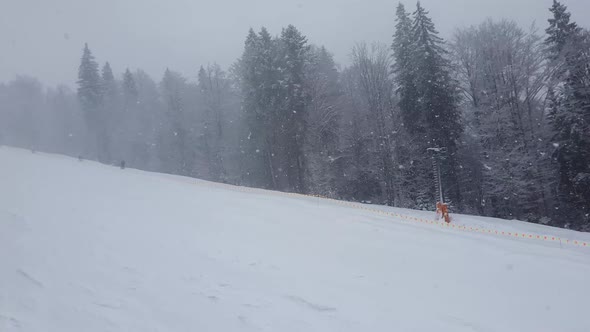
x: 44, y: 38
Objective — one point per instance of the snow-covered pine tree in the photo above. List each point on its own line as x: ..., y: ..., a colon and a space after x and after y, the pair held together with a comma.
x: 428, y: 104
x: 292, y: 58
x: 150, y: 116
x: 109, y: 85
x: 414, y: 186
x: 323, y: 109
x: 175, y: 152
x: 89, y: 87
x: 255, y: 73
x: 569, y: 53
x: 561, y: 33
x: 437, y: 99
x: 404, y: 71
x: 270, y: 100
x: 135, y: 123
x: 130, y: 93
x: 90, y: 95
x: 111, y: 112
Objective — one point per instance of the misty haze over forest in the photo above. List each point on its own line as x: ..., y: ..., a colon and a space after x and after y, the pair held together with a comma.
x: 352, y: 100
x: 184, y: 34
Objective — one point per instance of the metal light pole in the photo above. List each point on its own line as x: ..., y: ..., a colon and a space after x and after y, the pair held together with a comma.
x: 442, y: 209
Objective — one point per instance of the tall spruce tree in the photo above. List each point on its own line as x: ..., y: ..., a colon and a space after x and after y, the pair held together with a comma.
x: 255, y: 75
x: 130, y: 92
x: 136, y: 126
x: 175, y: 151
x: 569, y: 51
x: 90, y: 95
x: 561, y: 32
x: 151, y: 117
x: 110, y: 109
x: 294, y: 51
x: 108, y: 80
x: 110, y: 93
x: 438, y: 91
x: 436, y: 111
x: 89, y: 87
x: 323, y: 116
x: 404, y: 71
x: 414, y: 183
x: 270, y: 105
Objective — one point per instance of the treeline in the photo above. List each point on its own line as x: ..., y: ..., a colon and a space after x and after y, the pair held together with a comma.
x: 504, y: 111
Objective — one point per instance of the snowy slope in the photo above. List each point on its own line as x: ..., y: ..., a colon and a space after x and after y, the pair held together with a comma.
x: 88, y: 247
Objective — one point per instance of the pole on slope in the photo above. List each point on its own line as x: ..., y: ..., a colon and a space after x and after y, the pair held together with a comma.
x: 442, y: 209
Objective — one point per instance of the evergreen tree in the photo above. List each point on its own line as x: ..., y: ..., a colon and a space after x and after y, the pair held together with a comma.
x: 150, y: 117
x: 90, y: 94
x: 110, y: 110
x: 404, y: 71
x: 561, y: 32
x: 437, y: 96
x: 415, y: 184
x: 272, y: 77
x: 294, y: 51
x: 323, y: 116
x: 136, y: 122
x: 110, y: 93
x: 89, y: 85
x: 270, y: 101
x: 569, y: 50
x: 108, y: 79
x: 130, y: 92
x: 255, y: 74
x: 175, y: 152
x: 437, y: 91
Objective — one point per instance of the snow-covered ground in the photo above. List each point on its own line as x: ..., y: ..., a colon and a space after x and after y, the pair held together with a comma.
x: 88, y: 247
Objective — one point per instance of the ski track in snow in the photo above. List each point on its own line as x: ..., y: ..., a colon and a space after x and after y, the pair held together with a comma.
x: 88, y: 247
x: 28, y: 277
x: 9, y: 324
x: 310, y: 305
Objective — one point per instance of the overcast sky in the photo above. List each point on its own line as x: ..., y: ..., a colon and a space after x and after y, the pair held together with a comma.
x: 44, y: 38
